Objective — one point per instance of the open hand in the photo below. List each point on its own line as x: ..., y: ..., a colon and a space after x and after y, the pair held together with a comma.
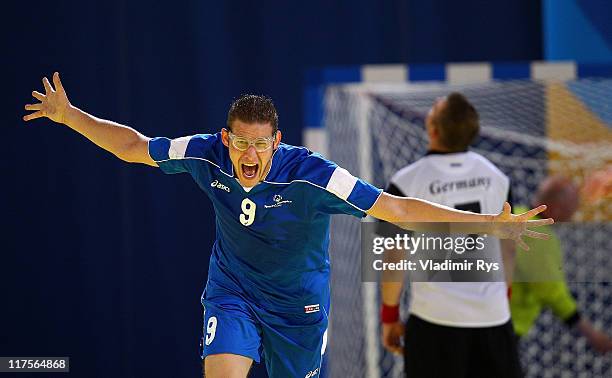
x: 510, y: 226
x: 53, y: 104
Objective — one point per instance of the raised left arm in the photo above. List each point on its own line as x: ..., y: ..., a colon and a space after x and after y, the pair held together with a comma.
x: 396, y: 209
x: 408, y: 212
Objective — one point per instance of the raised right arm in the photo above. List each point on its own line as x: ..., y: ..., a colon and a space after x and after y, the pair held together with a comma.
x: 122, y: 141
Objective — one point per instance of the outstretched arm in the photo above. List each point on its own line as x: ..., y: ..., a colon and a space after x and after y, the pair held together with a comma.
x: 505, y: 225
x: 120, y: 140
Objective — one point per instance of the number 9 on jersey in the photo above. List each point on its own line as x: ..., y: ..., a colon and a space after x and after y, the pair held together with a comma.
x: 248, y: 212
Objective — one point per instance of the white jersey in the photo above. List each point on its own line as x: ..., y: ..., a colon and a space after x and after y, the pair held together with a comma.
x: 465, y: 181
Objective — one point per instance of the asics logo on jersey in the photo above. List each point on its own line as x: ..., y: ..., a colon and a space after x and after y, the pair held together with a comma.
x: 312, y: 373
x: 218, y: 185
x: 439, y: 187
x: 278, y: 201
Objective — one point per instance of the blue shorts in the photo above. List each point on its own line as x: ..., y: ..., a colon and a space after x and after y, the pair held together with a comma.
x: 292, y: 344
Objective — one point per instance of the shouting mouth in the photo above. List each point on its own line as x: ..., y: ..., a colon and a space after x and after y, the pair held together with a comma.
x: 249, y: 170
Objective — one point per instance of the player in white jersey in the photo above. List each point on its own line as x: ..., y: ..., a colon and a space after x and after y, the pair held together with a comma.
x: 464, y: 324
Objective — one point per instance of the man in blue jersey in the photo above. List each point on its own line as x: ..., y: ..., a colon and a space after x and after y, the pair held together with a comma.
x: 268, y: 282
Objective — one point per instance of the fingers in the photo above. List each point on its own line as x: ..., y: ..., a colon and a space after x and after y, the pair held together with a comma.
x: 533, y: 212
x: 394, y: 348
x: 57, y: 82
x: 32, y: 116
x: 507, y: 208
x: 540, y: 222
x: 47, y: 86
x: 39, y: 96
x: 536, y: 235
x: 33, y: 107
x: 38, y: 108
x: 522, y: 244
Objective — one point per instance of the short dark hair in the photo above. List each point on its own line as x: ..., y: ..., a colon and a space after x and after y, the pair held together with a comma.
x: 457, y: 123
x: 251, y: 108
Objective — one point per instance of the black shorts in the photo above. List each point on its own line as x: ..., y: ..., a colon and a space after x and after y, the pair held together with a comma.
x: 433, y: 350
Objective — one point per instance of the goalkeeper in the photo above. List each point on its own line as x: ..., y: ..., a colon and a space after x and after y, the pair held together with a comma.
x: 528, y: 299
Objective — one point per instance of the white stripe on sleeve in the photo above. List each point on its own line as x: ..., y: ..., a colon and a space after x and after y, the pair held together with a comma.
x: 178, y: 147
x: 341, y: 183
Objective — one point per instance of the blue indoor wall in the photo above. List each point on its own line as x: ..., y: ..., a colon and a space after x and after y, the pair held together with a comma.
x: 104, y: 261
x: 578, y: 30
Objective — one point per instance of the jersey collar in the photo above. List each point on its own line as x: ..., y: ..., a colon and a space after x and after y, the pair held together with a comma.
x: 435, y: 152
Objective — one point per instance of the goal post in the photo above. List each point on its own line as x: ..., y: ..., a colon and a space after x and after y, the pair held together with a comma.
x: 536, y: 119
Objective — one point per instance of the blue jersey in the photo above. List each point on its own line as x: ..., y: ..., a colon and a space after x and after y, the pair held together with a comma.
x: 272, y: 241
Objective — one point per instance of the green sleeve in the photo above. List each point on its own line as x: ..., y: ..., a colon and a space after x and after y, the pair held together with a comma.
x: 540, y: 282
x: 557, y: 297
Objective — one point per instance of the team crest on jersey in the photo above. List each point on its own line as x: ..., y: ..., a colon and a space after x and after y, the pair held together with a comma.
x: 309, y: 309
x: 278, y: 201
x: 218, y: 185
